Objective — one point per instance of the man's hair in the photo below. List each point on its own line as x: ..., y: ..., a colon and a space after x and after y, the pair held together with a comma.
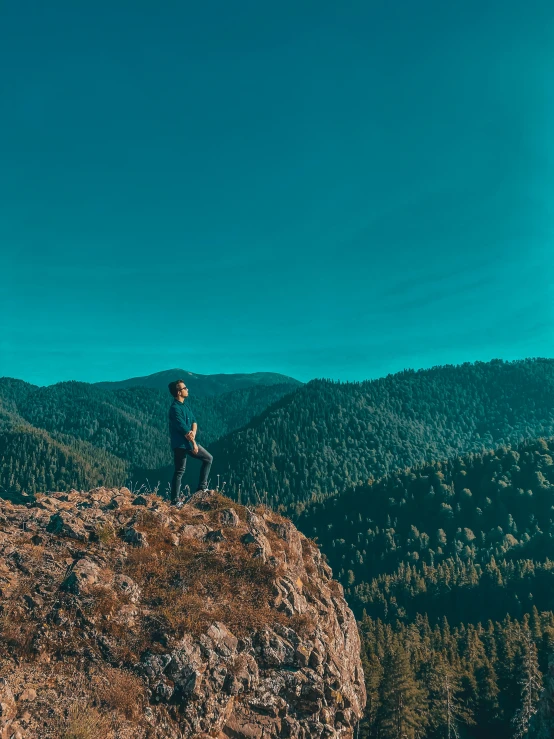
x: 173, y: 387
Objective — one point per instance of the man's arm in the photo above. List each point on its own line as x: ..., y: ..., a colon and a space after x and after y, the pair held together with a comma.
x: 176, y: 416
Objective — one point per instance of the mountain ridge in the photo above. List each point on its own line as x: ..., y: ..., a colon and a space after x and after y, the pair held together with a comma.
x: 329, y: 436
x: 199, y: 384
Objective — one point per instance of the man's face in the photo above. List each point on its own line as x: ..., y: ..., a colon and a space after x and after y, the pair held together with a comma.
x: 182, y: 391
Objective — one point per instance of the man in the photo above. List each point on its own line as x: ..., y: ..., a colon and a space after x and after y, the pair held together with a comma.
x: 182, y: 429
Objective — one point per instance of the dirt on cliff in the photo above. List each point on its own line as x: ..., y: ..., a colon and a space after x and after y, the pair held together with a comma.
x: 123, y: 617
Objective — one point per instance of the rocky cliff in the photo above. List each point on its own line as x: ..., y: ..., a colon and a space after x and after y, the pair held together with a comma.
x: 123, y: 617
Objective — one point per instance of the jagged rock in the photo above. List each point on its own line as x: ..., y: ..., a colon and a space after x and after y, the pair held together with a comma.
x: 117, y: 501
x: 202, y: 674
x: 155, y: 664
x: 262, y: 547
x: 84, y: 575
x: 256, y: 523
x: 47, y: 504
x: 29, y: 694
x: 127, y: 585
x: 243, y: 675
x: 63, y: 524
x: 186, y: 669
x: 8, y: 708
x: 192, y: 531
x: 140, y: 500
x: 229, y: 517
x: 33, y: 601
x: 214, y: 536
x: 225, y: 642
x: 12, y: 730
x: 205, y: 500
x: 163, y: 691
x: 132, y: 536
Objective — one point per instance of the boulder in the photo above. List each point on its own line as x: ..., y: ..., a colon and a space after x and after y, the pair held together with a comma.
x: 64, y: 524
x: 83, y: 576
x: 229, y: 517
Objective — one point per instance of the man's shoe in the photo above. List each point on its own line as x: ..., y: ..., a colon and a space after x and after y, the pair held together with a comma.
x: 202, y: 489
x: 177, y: 503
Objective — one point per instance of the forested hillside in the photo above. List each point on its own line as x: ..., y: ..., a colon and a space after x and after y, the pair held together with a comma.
x: 330, y: 436
x: 109, y: 434
x: 450, y: 567
x: 32, y: 460
x: 447, y: 539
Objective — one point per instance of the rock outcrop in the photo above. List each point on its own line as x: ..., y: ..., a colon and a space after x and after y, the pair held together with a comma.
x: 131, y: 618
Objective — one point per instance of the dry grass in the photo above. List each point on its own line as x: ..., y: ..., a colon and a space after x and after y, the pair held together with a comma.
x: 121, y: 691
x: 189, y: 586
x: 184, y: 588
x: 303, y: 624
x: 17, y: 627
x: 85, y: 722
x: 101, y: 600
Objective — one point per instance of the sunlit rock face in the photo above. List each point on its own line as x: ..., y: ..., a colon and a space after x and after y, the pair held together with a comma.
x: 145, y: 620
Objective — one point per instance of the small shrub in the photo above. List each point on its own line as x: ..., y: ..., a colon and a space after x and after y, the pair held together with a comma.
x: 303, y: 624
x: 85, y: 722
x: 105, y: 533
x: 101, y: 601
x: 122, y: 692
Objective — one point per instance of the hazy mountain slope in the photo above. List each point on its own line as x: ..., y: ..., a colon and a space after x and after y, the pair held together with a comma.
x: 132, y: 423
x: 203, y: 384
x: 127, y: 426
x: 217, y: 414
x: 329, y: 436
x: 15, y: 390
x: 31, y: 460
x: 97, y: 416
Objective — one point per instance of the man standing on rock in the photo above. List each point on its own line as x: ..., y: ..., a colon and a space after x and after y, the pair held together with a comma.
x: 182, y: 429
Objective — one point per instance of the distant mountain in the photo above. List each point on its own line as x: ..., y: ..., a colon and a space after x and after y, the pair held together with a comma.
x: 200, y: 385
x: 328, y: 436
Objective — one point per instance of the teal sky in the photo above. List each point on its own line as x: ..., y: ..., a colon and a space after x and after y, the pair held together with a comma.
x: 338, y: 189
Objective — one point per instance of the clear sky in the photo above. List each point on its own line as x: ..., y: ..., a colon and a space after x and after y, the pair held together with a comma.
x: 325, y: 189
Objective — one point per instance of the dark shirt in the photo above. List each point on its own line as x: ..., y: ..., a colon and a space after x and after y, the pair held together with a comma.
x: 181, y: 419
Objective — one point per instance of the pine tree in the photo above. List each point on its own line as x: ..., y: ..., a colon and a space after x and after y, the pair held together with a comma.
x: 373, y: 671
x: 403, y: 712
x: 447, y: 709
x: 531, y: 686
x: 487, y: 709
x: 542, y: 724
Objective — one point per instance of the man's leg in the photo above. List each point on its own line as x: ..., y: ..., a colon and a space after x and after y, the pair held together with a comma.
x: 206, y: 458
x: 180, y: 460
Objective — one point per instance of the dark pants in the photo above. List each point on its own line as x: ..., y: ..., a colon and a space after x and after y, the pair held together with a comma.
x: 180, y: 459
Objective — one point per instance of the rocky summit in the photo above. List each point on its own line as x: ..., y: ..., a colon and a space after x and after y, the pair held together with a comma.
x: 124, y: 617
